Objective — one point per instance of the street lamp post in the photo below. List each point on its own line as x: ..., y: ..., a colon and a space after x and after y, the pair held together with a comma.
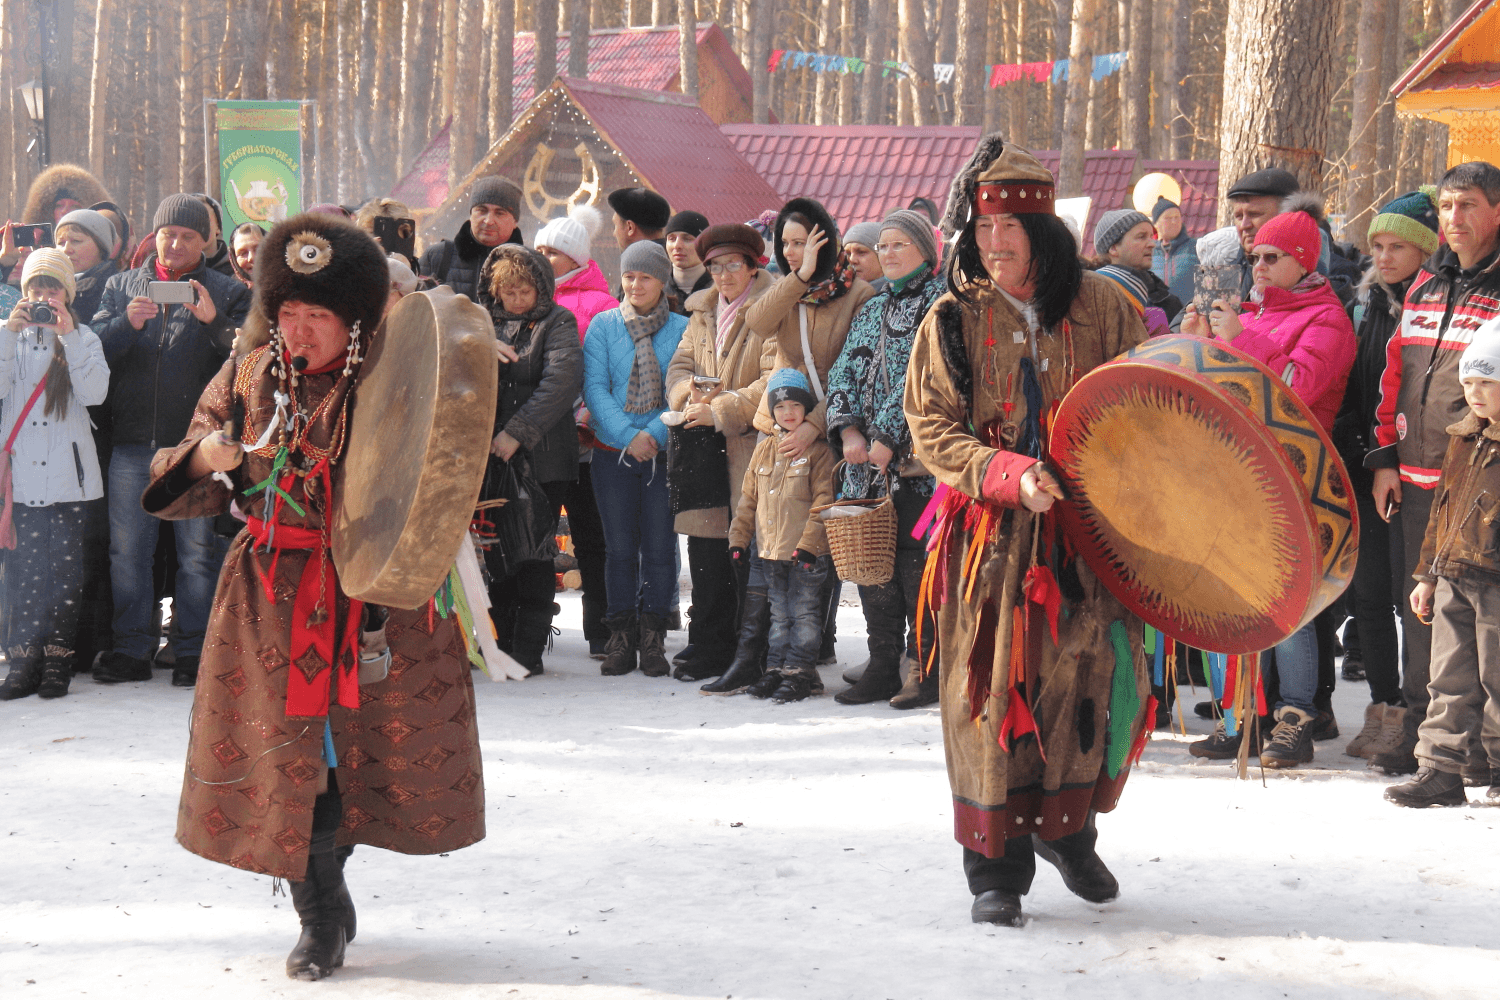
x: 34, y: 96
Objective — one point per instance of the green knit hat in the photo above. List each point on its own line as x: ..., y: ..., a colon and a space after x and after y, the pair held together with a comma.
x: 1412, y: 217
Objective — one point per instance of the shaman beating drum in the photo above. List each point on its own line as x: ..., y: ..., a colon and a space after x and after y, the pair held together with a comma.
x: 419, y: 436
x: 1204, y: 494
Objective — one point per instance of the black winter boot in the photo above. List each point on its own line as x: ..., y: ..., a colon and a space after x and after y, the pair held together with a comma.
x: 533, y: 635
x: 796, y: 685
x: 322, y: 899
x: 854, y: 673
x: 750, y: 655
x: 24, y: 679
x: 56, y: 673
x: 619, y: 653
x: 996, y: 906
x: 880, y: 681
x: 1081, y: 868
x: 769, y: 681
x: 1430, y: 787
x: 653, y: 645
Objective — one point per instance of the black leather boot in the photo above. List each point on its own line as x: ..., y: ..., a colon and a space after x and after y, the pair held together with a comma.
x: 653, y: 645
x: 619, y: 653
x: 24, y: 678
x: 881, y: 681
x: 57, y: 672
x: 321, y: 899
x: 996, y: 906
x: 750, y: 654
x: 1081, y: 868
x: 533, y: 634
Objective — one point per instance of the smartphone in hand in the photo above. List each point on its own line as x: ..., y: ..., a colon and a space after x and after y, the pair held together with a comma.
x: 171, y: 293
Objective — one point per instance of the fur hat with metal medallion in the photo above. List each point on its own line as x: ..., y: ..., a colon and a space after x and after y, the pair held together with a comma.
x: 319, y: 260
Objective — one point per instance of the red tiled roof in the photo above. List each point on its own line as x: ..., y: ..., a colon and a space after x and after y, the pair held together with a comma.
x: 859, y: 172
x: 1200, y: 191
x: 1465, y: 76
x: 644, y: 58
x: 1439, y: 49
x: 676, y: 148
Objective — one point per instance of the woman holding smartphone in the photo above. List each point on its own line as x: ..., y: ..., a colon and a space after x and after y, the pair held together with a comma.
x: 51, y: 369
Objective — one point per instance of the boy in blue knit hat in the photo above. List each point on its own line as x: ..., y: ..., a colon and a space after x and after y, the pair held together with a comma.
x: 790, y: 561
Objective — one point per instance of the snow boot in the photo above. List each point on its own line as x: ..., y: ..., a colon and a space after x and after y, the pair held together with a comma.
x: 1475, y: 775
x: 593, y: 626
x: 1291, y: 742
x: 766, y: 686
x: 114, y: 667
x: 1325, y: 726
x: 1220, y: 746
x: 1374, y: 723
x: 321, y: 899
x: 881, y: 681
x: 748, y: 665
x: 24, y: 679
x: 796, y: 685
x: 533, y: 635
x: 619, y: 653
x: 854, y: 673
x: 685, y: 653
x: 1430, y: 787
x: 918, y: 690
x: 1492, y: 796
x: 653, y: 645
x: 996, y: 906
x: 185, y: 672
x: 58, y: 671
x: 1082, y: 871
x: 1401, y: 758
x: 709, y: 659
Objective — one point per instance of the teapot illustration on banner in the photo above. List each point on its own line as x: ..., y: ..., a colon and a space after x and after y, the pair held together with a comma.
x: 262, y: 202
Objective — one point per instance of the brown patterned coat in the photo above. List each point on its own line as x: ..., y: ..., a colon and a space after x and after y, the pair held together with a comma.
x: 409, y: 763
x: 999, y: 794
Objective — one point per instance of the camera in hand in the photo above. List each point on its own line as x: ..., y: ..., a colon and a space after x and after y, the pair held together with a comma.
x: 42, y: 312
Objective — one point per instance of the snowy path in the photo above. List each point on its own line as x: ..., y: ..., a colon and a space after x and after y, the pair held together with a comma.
x: 645, y: 841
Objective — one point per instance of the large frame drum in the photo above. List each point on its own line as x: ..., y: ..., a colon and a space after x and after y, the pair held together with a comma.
x: 1204, y: 494
x: 419, y: 437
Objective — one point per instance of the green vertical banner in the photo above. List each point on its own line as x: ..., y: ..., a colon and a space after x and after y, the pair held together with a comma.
x: 260, y: 161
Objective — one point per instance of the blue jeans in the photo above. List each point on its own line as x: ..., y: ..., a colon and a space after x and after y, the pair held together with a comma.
x: 132, y: 544
x: 640, y: 548
x: 796, y: 611
x: 1297, y: 669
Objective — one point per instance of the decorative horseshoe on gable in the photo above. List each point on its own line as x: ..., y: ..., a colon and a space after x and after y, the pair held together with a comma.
x: 534, y: 186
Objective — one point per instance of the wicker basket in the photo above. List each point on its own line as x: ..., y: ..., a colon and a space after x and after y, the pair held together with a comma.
x: 863, y: 545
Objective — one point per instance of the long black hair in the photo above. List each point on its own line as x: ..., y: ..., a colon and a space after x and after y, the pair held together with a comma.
x: 1054, y: 265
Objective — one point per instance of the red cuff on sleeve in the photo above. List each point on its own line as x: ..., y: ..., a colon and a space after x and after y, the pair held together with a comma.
x: 1002, y: 480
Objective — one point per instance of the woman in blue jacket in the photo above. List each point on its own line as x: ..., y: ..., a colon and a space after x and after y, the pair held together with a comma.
x: 625, y: 356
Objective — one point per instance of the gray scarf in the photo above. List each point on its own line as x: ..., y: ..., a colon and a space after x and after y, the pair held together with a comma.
x: 644, y: 394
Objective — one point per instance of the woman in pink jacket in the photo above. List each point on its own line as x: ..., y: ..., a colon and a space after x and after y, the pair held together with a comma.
x: 1295, y: 325
x: 581, y: 288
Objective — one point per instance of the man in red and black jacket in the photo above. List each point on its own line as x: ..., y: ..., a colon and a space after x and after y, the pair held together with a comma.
x: 1456, y: 291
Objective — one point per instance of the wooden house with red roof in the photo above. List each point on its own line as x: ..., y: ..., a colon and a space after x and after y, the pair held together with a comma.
x: 581, y: 139
x: 1457, y: 82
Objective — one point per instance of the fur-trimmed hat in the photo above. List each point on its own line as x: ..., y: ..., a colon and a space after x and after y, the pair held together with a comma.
x: 1295, y: 231
x: 814, y: 212
x: 320, y: 260
x: 64, y: 180
x: 993, y: 181
x: 788, y: 385
x: 642, y: 206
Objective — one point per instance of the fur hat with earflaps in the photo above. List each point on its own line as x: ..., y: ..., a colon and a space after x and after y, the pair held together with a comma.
x: 64, y: 180
x: 320, y: 260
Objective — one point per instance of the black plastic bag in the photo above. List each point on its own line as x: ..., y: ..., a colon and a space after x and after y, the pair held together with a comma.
x: 697, y: 469
x: 523, y: 530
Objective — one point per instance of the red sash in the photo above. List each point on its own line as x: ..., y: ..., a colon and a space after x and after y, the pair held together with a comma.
x: 309, y: 695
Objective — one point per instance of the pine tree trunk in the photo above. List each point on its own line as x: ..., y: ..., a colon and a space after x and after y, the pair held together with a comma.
x: 1178, y: 85
x: 383, y: 102
x: 578, y: 39
x: 449, y: 66
x: 463, y: 135
x: 1390, y: 67
x: 256, y: 39
x: 848, y: 90
x: 660, y: 13
x: 1137, y: 126
x: 1062, y: 41
x: 348, y: 158
x: 968, y: 62
x: 150, y: 163
x: 1017, y: 92
x: 502, y: 63
x: 546, y: 44
x: 687, y: 45
x: 99, y: 86
x: 1081, y: 46
x: 763, y: 14
x: 1278, y: 83
x: 917, y: 36
x: 1364, y: 129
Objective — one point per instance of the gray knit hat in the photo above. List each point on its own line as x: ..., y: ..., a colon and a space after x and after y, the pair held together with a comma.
x: 100, y: 229
x: 866, y: 234
x: 183, y: 210
x: 496, y: 191
x: 1112, y: 227
x: 647, y: 257
x: 916, y: 226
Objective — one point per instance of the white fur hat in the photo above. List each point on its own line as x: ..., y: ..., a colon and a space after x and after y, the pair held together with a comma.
x: 573, y: 235
x: 1481, y: 358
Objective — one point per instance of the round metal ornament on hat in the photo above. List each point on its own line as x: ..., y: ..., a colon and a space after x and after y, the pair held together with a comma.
x: 419, y: 437
x: 1204, y: 494
x: 1153, y: 186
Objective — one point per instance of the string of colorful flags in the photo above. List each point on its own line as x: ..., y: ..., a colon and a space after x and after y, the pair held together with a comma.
x: 998, y: 75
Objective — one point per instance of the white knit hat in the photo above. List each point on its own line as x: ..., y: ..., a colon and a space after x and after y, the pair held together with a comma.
x: 573, y: 235
x: 402, y: 277
x: 1482, y: 357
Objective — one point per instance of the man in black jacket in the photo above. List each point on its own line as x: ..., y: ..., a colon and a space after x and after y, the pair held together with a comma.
x: 494, y: 214
x: 160, y: 358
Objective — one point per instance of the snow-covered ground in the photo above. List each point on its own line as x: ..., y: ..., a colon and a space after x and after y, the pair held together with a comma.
x: 646, y: 841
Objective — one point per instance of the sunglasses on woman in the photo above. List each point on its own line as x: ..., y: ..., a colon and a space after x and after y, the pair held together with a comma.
x: 1271, y: 259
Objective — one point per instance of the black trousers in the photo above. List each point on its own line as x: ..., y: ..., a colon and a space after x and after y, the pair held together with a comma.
x: 891, y: 608
x: 588, y: 547
x: 715, y: 609
x: 1014, y: 870
x: 45, y: 578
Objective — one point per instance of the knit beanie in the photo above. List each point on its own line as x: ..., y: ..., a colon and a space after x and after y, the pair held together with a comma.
x: 916, y: 226
x: 788, y: 385
x: 402, y: 277
x: 1295, y: 233
x: 100, y: 229
x: 1220, y: 247
x: 496, y: 191
x: 1112, y: 227
x: 50, y: 262
x: 1411, y: 217
x: 183, y: 210
x: 687, y: 221
x: 647, y: 257
x: 1160, y: 208
x: 866, y: 234
x: 573, y: 235
x: 1481, y: 359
